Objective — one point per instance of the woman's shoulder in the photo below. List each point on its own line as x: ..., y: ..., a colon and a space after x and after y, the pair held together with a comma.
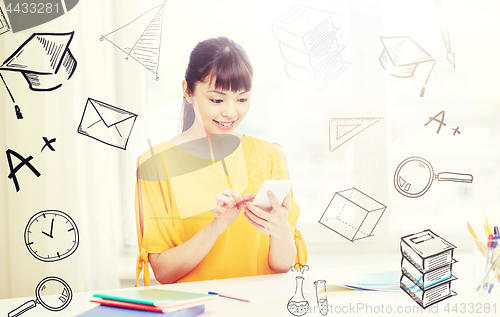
x: 154, y: 151
x: 260, y: 145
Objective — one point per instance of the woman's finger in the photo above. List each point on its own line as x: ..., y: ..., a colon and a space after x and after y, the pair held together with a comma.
x: 222, y: 199
x: 286, y: 202
x: 251, y: 217
x: 258, y: 217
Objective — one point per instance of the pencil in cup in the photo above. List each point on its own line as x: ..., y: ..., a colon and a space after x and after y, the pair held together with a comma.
x: 480, y: 244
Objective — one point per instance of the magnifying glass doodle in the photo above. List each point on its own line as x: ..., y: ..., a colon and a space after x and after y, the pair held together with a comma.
x: 45, y: 296
x: 414, y: 177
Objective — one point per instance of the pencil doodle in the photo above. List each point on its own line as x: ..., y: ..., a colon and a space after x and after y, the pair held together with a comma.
x: 19, y: 114
x: 4, y: 24
x: 344, y: 129
x: 321, y: 298
x: 444, y: 33
x: 401, y: 56
x: 14, y: 170
x: 426, y: 267
x: 308, y: 43
x: 140, y: 39
x: 51, y: 285
x: 414, y: 177
x: 352, y: 214
x: 48, y: 143
x: 106, y: 123
x: 51, y: 235
x: 44, y: 60
x: 298, y: 305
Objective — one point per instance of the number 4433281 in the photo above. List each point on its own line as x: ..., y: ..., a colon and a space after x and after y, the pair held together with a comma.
x: 476, y: 308
x: 33, y: 8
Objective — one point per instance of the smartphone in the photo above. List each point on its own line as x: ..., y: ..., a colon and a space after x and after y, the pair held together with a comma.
x: 278, y: 187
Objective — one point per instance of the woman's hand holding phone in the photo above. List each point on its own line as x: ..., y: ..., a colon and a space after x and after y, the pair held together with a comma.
x: 229, y: 205
x: 274, y: 222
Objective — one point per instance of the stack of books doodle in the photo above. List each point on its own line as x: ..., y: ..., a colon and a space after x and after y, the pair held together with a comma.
x: 308, y: 42
x: 426, y: 267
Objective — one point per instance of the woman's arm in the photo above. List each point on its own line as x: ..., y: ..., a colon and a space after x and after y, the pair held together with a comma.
x: 282, y: 251
x: 174, y: 263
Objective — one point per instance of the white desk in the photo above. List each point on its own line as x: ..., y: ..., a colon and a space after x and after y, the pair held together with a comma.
x: 341, y: 301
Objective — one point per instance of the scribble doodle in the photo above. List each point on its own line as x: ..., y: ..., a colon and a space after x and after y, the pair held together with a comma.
x: 308, y: 43
x: 14, y: 170
x: 48, y: 143
x: 426, y: 267
x: 352, y: 214
x: 344, y: 129
x: 106, y: 123
x: 441, y: 122
x: 4, y: 24
x: 414, y: 177
x: 143, y: 47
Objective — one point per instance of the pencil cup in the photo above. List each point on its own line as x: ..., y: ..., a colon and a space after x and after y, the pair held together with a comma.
x: 486, y: 265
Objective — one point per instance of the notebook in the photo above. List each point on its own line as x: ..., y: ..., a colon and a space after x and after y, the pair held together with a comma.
x: 109, y: 311
x: 157, y: 297
x: 117, y: 303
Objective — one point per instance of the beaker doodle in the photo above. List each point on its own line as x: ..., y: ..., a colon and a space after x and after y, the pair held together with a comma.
x: 414, y: 177
x: 297, y: 305
x: 321, y: 296
x: 48, y: 286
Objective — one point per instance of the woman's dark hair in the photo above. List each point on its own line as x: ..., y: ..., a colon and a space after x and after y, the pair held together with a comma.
x: 221, y: 59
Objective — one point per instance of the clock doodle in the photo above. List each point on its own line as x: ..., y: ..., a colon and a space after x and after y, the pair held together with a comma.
x: 51, y: 235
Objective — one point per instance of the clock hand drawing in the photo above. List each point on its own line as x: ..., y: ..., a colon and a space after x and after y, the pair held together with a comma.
x: 51, y: 228
x: 55, y: 244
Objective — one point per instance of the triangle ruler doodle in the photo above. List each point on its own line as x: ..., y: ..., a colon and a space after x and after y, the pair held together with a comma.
x: 344, y: 129
x: 140, y: 39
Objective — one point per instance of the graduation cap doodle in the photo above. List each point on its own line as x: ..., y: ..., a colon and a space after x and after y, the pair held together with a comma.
x: 44, y: 59
x: 401, y: 57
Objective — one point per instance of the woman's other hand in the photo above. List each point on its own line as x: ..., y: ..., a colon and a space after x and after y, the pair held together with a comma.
x: 274, y: 222
x: 229, y: 205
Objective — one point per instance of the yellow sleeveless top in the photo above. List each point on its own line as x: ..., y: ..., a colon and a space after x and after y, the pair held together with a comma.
x: 164, y: 222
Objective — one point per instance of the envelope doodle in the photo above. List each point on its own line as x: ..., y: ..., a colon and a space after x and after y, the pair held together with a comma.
x: 106, y: 123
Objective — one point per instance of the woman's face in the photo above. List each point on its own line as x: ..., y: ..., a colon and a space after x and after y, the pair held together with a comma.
x: 220, y: 111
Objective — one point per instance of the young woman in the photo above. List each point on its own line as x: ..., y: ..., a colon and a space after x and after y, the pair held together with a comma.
x: 180, y: 234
